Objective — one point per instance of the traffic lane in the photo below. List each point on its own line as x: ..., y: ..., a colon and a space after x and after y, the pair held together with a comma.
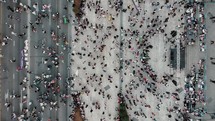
x: 62, y: 83
x: 14, y: 46
x: 63, y: 65
x: 6, y: 50
x: 19, y: 45
x: 65, y: 74
x: 56, y: 7
x: 38, y: 70
x: 23, y: 22
x: 33, y: 67
x: 49, y: 43
x: 6, y: 86
x: 62, y: 111
x: 13, y: 65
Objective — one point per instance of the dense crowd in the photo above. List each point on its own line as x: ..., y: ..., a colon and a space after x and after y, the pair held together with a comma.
x: 195, y: 83
x: 194, y: 97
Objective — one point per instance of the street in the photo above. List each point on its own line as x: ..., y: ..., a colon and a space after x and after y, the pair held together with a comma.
x: 13, y: 77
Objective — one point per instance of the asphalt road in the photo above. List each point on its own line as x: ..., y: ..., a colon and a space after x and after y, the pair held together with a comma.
x: 11, y: 50
x: 12, y: 78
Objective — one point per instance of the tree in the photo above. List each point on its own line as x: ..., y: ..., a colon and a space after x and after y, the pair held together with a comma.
x: 123, y: 115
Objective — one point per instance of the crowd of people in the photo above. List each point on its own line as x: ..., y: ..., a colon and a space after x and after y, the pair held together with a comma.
x: 45, y: 85
x: 194, y: 101
x: 137, y: 67
x: 191, y: 28
x: 139, y: 64
x: 195, y: 24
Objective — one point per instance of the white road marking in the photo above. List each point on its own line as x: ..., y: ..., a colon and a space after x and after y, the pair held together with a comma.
x: 21, y: 102
x: 29, y: 54
x: 6, y: 95
x: 42, y: 59
x: 14, y: 43
x: 13, y: 76
x: 14, y: 26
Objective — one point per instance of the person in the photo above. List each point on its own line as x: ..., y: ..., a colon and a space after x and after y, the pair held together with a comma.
x: 35, y: 46
x: 13, y: 60
x: 4, y: 1
x: 4, y: 43
x: 213, y: 81
x: 25, y: 26
x: 4, y: 70
x: 65, y: 7
x: 211, y: 58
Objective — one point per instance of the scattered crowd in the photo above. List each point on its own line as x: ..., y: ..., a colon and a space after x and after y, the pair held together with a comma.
x: 139, y: 65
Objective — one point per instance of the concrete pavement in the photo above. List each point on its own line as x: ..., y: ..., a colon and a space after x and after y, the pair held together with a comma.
x: 210, y: 49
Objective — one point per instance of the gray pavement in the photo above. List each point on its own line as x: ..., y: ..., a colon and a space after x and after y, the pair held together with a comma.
x: 210, y: 49
x: 35, y: 58
x: 13, y: 49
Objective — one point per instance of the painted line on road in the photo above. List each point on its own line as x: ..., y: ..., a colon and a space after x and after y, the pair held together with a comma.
x: 42, y: 60
x: 13, y: 76
x: 14, y: 43
x: 50, y: 18
x: 21, y: 102
x: 6, y: 95
x: 29, y: 54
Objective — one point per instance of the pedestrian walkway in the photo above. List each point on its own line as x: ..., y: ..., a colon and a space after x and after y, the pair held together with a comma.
x: 210, y: 25
x: 123, y: 49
